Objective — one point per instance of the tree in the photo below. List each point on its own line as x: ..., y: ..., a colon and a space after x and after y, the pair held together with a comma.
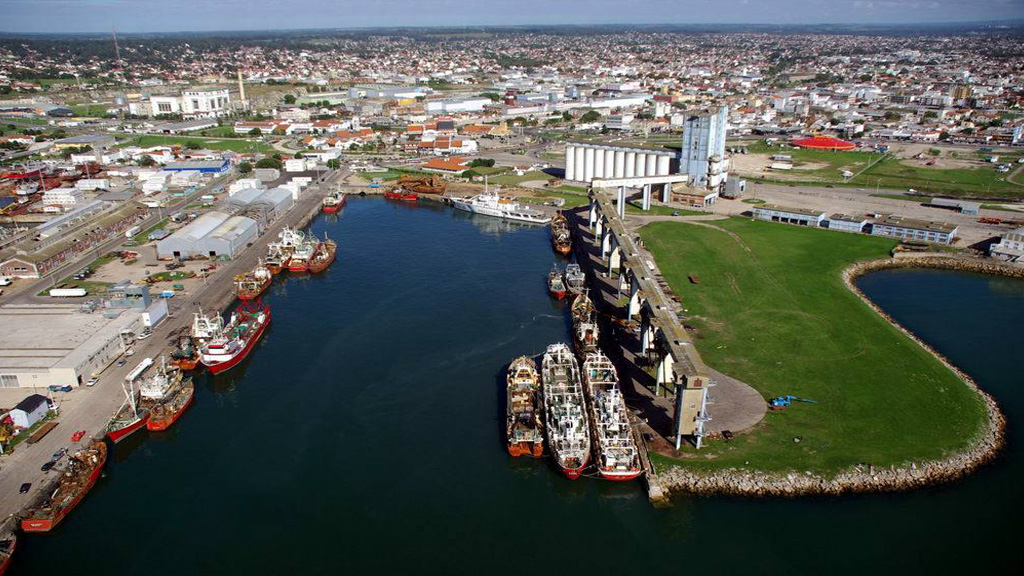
x: 494, y: 97
x: 193, y: 145
x: 244, y: 168
x: 289, y: 99
x: 270, y: 163
x: 334, y: 163
x: 592, y: 116
x: 470, y: 174
x: 147, y: 160
x: 298, y: 154
x: 255, y: 132
x: 484, y: 162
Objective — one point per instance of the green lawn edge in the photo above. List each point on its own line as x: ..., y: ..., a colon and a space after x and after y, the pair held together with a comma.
x: 780, y: 318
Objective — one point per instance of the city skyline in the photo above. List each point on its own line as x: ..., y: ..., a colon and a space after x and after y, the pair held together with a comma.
x: 142, y: 16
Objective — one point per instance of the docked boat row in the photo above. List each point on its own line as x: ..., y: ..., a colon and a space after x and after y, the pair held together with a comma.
x: 156, y: 395
x: 571, y: 281
x: 582, y: 413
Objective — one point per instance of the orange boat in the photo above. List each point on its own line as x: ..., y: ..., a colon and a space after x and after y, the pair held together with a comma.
x: 84, y: 469
x: 166, y: 413
x: 323, y: 256
x: 524, y: 427
x: 186, y: 355
x: 251, y: 285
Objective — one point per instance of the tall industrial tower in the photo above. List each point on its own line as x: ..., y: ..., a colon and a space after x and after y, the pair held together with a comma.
x: 703, y: 152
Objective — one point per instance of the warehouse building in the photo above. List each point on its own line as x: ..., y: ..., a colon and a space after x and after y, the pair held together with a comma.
x: 185, y: 242
x: 910, y: 229
x: 846, y: 223
x: 1010, y: 246
x: 228, y: 239
x: 961, y: 206
x: 798, y: 216
x: 59, y: 344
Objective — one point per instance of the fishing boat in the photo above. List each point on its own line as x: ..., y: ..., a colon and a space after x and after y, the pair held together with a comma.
x: 565, y: 416
x: 205, y: 327
x: 585, y: 333
x: 332, y: 203
x: 561, y: 238
x: 303, y: 253
x: 237, y: 339
x: 524, y: 427
x: 323, y: 256
x: 555, y: 284
x: 171, y: 404
x: 8, y: 544
x: 575, y: 280
x: 185, y: 355
x: 84, y: 468
x: 252, y: 284
x: 489, y: 203
x: 581, y: 307
x: 276, y: 258
x: 130, y: 417
x: 615, y: 449
x: 402, y: 195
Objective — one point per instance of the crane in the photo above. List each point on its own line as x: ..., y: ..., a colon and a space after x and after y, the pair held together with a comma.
x: 783, y: 402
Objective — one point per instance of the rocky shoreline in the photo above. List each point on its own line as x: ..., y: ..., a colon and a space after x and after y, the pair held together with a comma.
x: 865, y: 477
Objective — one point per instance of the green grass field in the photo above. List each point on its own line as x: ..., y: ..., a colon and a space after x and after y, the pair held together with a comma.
x: 894, y: 173
x: 771, y: 310
x: 513, y: 180
x: 571, y: 200
x: 237, y: 144
x: 91, y: 110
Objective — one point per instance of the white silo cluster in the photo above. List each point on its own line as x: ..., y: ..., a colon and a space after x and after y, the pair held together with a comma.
x: 584, y: 162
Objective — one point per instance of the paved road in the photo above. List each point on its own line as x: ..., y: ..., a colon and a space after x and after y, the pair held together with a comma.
x: 91, y: 408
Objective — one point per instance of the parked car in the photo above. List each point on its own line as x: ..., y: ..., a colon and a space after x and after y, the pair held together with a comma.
x: 78, y: 435
x: 47, y: 466
x: 144, y: 335
x: 92, y: 382
x: 129, y: 352
x: 60, y: 387
x: 121, y: 362
x: 25, y: 487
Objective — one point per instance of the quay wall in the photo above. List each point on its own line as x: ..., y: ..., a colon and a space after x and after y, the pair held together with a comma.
x: 867, y: 477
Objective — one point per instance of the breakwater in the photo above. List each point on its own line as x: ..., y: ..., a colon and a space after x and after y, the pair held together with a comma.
x: 866, y: 477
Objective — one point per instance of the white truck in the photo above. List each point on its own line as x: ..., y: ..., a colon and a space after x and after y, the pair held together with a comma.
x: 67, y: 292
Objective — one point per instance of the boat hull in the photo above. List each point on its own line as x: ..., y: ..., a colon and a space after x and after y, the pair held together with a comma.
x: 557, y: 293
x: 409, y: 197
x: 571, y: 472
x: 620, y: 475
x: 225, y: 365
x: 246, y: 295
x: 122, y: 433
x: 534, y: 449
x: 298, y: 267
x: 332, y: 209
x: 186, y: 363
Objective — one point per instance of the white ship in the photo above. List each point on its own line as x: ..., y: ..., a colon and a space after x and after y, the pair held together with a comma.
x: 489, y: 203
x: 205, y: 328
x: 615, y: 449
x: 566, y: 419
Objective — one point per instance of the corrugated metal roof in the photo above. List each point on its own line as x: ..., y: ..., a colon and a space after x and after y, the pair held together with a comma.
x: 232, y: 228
x: 200, y: 227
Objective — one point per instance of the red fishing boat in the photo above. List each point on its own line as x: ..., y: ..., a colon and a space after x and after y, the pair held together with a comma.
x: 332, y: 203
x: 237, y: 339
x: 555, y: 284
x: 401, y: 195
x: 185, y: 355
x: 131, y: 417
x: 84, y: 468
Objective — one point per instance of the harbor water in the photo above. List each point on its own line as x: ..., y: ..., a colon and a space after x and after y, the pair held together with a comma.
x: 365, y: 432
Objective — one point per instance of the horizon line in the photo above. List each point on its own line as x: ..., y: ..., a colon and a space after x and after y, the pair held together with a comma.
x: 1000, y: 23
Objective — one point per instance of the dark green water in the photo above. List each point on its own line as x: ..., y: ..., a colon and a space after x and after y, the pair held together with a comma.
x: 365, y: 433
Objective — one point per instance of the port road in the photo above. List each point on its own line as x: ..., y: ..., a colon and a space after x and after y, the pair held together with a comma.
x: 90, y: 409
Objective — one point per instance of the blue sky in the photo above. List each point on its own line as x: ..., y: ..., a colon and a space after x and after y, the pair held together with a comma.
x: 204, y: 15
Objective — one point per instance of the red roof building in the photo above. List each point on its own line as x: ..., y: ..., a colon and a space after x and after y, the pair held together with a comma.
x: 824, y: 143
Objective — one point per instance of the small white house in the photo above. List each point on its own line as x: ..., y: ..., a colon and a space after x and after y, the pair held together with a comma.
x: 30, y: 410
